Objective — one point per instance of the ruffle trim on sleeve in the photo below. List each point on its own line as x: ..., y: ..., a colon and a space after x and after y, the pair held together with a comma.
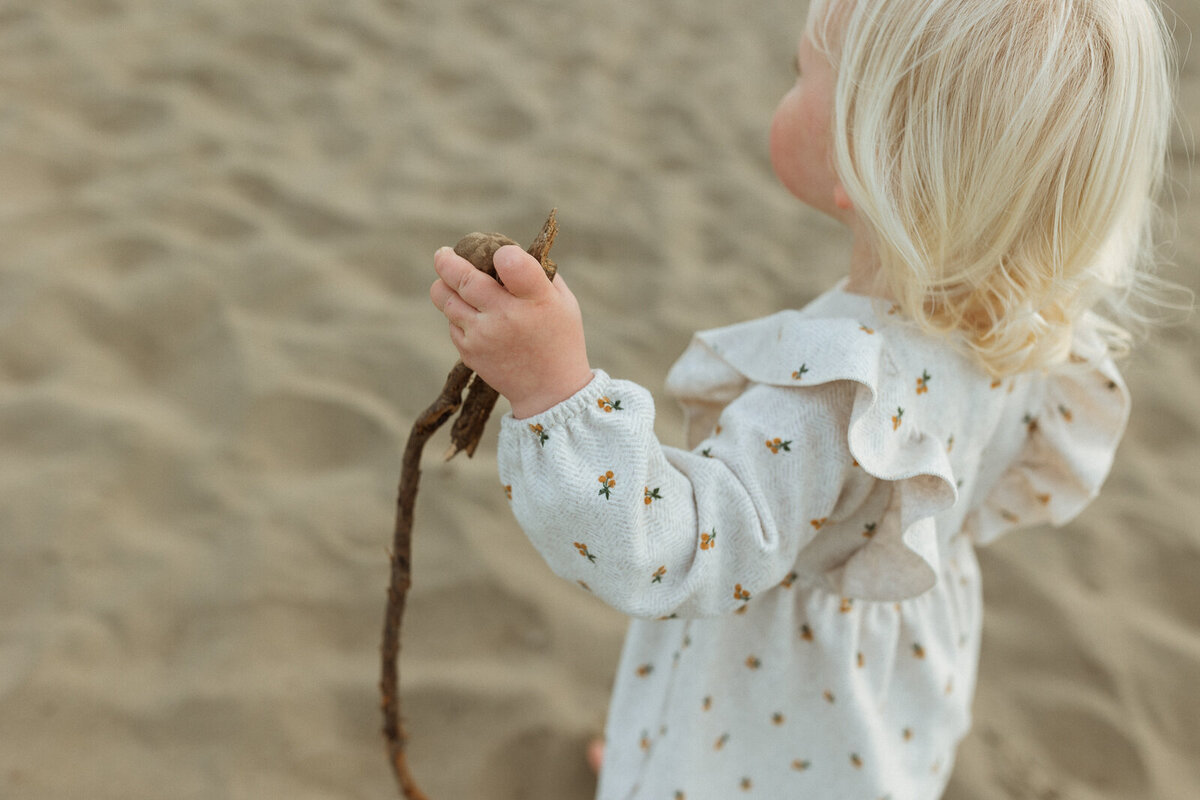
x: 1072, y: 440
x: 791, y: 349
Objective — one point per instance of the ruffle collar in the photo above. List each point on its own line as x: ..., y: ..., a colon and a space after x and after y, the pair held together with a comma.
x: 837, y: 337
x: 1071, y: 417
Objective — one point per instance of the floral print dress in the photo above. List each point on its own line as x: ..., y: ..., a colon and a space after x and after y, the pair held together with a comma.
x: 805, y: 594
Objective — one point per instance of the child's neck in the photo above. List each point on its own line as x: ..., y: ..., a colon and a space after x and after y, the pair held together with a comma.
x: 864, y: 264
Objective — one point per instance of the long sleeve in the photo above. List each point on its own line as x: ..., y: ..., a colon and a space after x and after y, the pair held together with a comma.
x: 657, y: 531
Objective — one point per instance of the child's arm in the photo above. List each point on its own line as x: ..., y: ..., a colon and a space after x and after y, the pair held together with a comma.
x: 655, y: 531
x: 524, y: 338
x: 652, y: 530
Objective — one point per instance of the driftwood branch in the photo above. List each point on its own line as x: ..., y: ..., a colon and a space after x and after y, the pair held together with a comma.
x: 478, y: 248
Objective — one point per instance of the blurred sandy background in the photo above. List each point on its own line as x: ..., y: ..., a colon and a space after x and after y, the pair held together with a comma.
x: 217, y: 222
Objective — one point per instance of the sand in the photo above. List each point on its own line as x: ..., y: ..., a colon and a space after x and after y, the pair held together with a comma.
x: 218, y: 221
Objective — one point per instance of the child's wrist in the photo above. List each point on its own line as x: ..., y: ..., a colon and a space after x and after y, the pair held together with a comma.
x: 546, y: 397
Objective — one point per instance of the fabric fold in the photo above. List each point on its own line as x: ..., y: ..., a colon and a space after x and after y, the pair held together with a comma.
x: 792, y: 349
x: 1072, y: 440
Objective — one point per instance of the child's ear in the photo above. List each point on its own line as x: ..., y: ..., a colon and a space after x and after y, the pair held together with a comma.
x: 840, y: 198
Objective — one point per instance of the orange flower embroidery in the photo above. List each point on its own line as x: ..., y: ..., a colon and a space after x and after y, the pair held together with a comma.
x: 777, y: 718
x: 799, y: 374
x: 1031, y: 423
x: 739, y: 593
x: 1044, y: 499
x: 861, y: 660
x: 708, y: 540
x: 856, y: 760
x: 752, y: 662
x: 541, y: 435
x: 829, y: 696
x: 800, y: 765
x: 607, y: 482
x: 707, y: 705
x: 996, y: 383
x: 777, y: 444
x: 583, y: 551
x: 609, y: 405
x: 721, y: 741
x: 651, y: 495
x: 789, y: 580
x: 817, y: 523
x: 866, y: 329
x: 658, y: 574
x: 806, y: 633
x: 644, y: 742
x: 508, y: 490
x: 896, y: 419
x: 918, y: 651
x: 584, y: 585
x: 1066, y: 412
x: 923, y: 382
x: 747, y: 784
x: 1009, y: 516
x: 908, y: 734
x: 869, y: 530
x: 950, y: 443
x: 846, y: 605
x: 644, y: 670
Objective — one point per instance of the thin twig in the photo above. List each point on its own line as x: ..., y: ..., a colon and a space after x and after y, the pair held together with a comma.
x: 465, y: 435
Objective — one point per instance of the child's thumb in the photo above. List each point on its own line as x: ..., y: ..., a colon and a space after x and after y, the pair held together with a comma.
x: 520, y: 272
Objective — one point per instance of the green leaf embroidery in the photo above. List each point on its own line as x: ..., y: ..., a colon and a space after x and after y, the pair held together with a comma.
x: 607, y: 482
x: 541, y: 435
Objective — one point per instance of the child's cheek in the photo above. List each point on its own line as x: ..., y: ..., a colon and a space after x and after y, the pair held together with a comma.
x: 783, y: 140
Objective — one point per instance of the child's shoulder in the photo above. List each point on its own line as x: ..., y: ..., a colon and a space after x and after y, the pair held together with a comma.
x: 845, y: 336
x: 838, y: 336
x: 923, y: 405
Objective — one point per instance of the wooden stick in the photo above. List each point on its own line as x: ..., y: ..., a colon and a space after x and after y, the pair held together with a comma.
x: 477, y: 248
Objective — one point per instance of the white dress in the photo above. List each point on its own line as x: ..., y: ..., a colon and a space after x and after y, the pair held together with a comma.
x: 803, y: 580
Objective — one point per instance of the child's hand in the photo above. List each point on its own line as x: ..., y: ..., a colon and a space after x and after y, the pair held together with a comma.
x: 525, y: 338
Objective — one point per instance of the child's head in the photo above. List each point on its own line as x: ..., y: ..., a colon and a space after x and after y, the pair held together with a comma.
x: 1005, y: 157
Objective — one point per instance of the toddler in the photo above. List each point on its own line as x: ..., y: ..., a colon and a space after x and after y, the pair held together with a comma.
x: 803, y: 580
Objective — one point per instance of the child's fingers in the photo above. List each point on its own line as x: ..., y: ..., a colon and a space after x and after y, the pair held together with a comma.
x: 560, y: 283
x: 520, y: 272
x: 476, y: 288
x: 460, y: 314
x: 458, y: 311
x: 438, y: 293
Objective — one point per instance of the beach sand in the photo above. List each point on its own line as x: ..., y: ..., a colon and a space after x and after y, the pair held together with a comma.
x: 218, y: 221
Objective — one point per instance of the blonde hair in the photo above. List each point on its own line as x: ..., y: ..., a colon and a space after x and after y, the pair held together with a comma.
x: 1006, y: 157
